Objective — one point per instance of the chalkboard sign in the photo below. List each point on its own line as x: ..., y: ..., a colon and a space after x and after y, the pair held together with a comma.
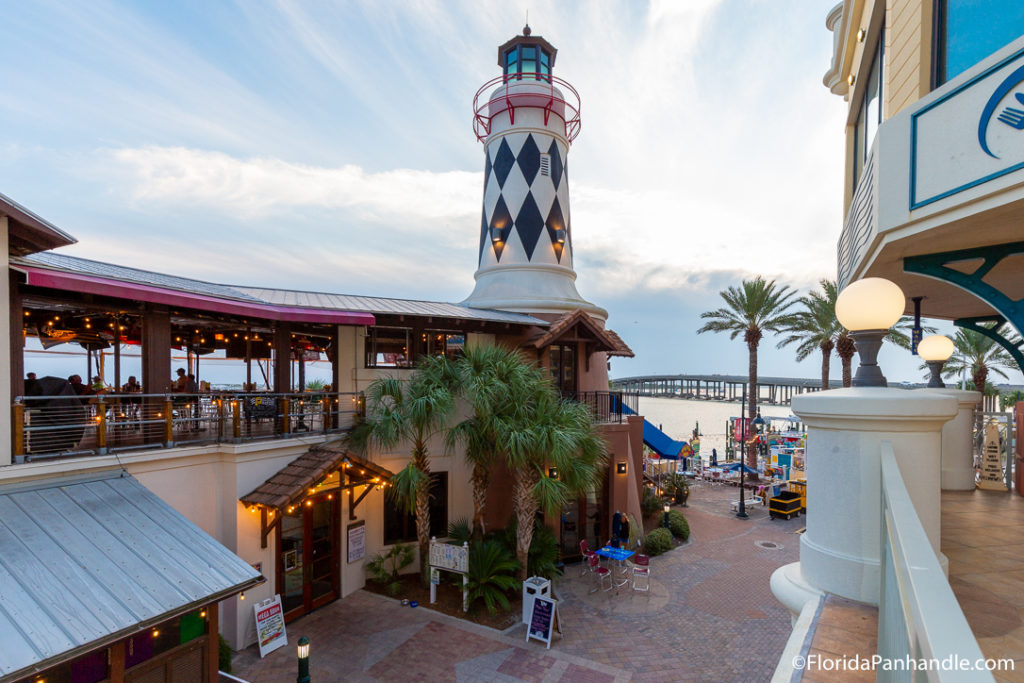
x: 543, y: 620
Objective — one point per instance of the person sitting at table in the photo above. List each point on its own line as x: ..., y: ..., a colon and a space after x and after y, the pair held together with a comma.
x: 180, y: 385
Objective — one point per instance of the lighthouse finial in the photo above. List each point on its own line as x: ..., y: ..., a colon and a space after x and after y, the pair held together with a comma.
x: 526, y: 29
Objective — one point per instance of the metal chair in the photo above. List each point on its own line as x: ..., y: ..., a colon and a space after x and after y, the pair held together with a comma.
x: 600, y: 573
x: 642, y: 570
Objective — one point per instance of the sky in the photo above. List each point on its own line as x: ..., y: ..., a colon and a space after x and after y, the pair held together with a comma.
x: 328, y: 146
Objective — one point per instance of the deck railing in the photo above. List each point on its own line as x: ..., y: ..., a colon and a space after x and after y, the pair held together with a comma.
x: 62, y: 426
x: 919, y: 618
x: 607, y: 406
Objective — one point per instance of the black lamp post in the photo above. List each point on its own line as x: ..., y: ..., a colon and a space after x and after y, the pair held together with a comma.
x: 667, y: 508
x: 742, y: 513
x: 303, y: 651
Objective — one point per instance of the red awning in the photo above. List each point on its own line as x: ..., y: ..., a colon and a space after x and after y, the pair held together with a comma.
x: 89, y: 284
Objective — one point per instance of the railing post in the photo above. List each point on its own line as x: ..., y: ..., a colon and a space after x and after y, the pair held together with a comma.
x: 101, y: 426
x: 325, y: 413
x: 18, y: 431
x: 286, y: 418
x: 220, y: 419
x: 236, y: 420
x: 168, y: 421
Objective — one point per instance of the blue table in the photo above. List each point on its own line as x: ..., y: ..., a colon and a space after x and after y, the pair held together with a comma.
x: 620, y: 555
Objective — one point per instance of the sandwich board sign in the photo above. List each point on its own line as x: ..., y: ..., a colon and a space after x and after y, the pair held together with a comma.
x: 270, y: 629
x: 991, y: 476
x: 543, y: 620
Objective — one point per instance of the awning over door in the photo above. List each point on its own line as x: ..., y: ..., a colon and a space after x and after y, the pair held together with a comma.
x: 86, y: 562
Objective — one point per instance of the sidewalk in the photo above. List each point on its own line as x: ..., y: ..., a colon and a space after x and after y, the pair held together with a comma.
x: 710, y: 616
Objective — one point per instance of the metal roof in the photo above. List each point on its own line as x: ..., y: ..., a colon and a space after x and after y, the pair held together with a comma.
x: 31, y: 233
x: 384, y: 306
x: 275, y: 297
x: 85, y: 562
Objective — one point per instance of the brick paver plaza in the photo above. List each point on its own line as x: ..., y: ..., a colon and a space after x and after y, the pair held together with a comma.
x: 710, y: 616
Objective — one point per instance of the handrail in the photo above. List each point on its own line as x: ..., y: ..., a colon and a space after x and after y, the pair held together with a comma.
x: 606, y: 406
x: 919, y: 617
x: 513, y: 96
x: 94, y: 424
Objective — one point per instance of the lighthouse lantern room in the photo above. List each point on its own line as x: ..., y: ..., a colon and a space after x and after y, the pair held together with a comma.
x: 527, y: 118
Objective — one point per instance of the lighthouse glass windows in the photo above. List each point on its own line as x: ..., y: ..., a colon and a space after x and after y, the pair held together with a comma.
x: 529, y: 60
x: 869, y: 114
x: 967, y: 31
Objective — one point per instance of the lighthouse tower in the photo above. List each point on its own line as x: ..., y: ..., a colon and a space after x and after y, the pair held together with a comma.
x: 527, y: 118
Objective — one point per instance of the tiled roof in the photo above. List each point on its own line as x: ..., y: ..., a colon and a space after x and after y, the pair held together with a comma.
x: 276, y: 297
x: 289, y: 484
x: 611, y: 342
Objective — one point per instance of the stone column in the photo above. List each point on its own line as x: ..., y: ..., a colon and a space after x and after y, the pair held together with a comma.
x: 839, y: 552
x: 958, y: 442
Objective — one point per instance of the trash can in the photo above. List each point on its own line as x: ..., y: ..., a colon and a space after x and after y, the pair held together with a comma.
x: 532, y: 587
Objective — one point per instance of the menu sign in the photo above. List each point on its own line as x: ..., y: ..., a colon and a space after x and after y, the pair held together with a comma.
x: 454, y: 558
x: 991, y: 476
x: 270, y: 631
x: 543, y: 620
x: 356, y: 541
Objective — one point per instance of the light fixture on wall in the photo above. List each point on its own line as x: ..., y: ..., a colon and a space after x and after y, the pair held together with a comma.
x: 861, y: 35
x: 868, y: 308
x: 552, y: 473
x: 560, y: 236
x: 851, y: 79
x: 935, y: 350
x: 620, y: 467
x: 495, y: 235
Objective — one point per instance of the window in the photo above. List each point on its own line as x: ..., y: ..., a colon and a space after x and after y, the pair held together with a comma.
x: 869, y: 115
x: 562, y: 364
x: 512, y: 61
x: 400, y: 527
x: 967, y: 31
x: 545, y: 65
x: 388, y: 347
x: 440, y: 343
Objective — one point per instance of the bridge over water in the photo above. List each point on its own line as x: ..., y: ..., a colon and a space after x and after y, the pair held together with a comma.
x: 777, y: 390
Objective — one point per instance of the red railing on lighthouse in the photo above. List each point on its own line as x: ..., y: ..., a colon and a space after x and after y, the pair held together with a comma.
x: 527, y: 90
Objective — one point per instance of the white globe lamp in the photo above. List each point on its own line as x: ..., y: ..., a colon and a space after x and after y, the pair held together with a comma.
x: 868, y: 308
x: 935, y: 350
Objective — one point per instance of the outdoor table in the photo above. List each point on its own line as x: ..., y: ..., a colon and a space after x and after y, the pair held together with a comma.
x: 620, y: 555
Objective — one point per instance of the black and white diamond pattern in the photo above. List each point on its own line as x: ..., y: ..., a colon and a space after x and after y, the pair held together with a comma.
x: 517, y: 195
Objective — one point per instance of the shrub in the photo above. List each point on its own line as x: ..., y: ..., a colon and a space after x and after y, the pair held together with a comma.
x: 544, y: 553
x: 491, y: 574
x: 386, y: 566
x: 223, y: 654
x: 460, y: 531
x: 650, y: 504
x: 658, y: 541
x: 678, y: 525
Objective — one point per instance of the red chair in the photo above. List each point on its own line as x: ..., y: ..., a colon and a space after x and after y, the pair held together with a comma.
x: 642, y: 570
x: 587, y: 553
x: 600, y: 573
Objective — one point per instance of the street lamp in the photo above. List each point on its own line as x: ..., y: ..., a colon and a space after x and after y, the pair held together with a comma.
x: 935, y: 350
x: 868, y: 308
x: 303, y: 651
x: 742, y: 510
x: 667, y: 508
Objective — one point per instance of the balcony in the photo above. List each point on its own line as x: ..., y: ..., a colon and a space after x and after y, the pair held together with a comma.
x: 46, y: 427
x: 607, y: 407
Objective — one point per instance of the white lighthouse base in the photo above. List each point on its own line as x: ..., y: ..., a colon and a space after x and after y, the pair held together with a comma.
x: 538, y: 288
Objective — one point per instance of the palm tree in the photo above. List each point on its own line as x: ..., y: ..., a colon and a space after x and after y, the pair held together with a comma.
x: 979, y: 355
x: 816, y: 327
x: 756, y: 307
x: 410, y: 412
x: 486, y: 377
x: 545, y: 432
